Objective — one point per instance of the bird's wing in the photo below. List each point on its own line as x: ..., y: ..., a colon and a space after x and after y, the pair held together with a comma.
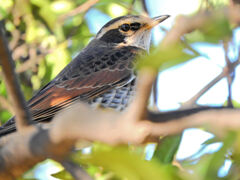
x: 72, y: 84
x: 61, y: 95
x: 104, y: 75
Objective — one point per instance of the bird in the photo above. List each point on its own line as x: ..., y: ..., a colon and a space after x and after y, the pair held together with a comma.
x: 102, y: 74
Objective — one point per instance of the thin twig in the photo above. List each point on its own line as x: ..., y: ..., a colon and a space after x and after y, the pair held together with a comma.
x: 23, y: 116
x: 224, y: 73
x: 80, y: 9
x: 230, y: 76
x: 193, y: 100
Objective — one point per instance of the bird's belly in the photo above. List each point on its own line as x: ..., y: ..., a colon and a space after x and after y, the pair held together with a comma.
x: 117, y: 98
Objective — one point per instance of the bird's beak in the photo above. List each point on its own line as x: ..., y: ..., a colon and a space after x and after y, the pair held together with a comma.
x: 157, y: 20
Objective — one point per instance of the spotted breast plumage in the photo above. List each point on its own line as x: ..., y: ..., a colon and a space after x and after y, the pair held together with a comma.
x: 102, y: 74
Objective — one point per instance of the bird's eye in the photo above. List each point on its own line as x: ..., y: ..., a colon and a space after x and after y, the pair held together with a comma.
x: 135, y: 26
x: 125, y: 27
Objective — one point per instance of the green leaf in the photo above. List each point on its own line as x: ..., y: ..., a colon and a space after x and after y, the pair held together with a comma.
x: 3, y: 90
x: 63, y: 175
x: 4, y: 116
x: 5, y: 5
x: 206, y: 143
x: 127, y: 164
x: 211, y: 141
x: 3, y: 13
x: 166, y: 58
x: 167, y: 148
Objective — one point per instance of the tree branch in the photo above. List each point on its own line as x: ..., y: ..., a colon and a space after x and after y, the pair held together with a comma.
x: 23, y: 116
x: 56, y: 142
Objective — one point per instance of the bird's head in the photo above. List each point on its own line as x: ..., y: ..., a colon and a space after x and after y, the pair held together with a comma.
x: 129, y: 31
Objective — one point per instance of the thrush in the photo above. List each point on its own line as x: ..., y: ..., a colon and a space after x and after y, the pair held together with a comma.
x: 102, y: 74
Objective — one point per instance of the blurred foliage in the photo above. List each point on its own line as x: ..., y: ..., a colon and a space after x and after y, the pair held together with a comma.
x: 212, y: 32
x: 212, y: 4
x: 124, y: 162
x: 163, y: 58
x: 167, y: 148
x: 207, y: 166
x: 44, y: 37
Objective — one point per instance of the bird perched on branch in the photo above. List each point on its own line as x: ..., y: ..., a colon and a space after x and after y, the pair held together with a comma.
x: 101, y: 74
